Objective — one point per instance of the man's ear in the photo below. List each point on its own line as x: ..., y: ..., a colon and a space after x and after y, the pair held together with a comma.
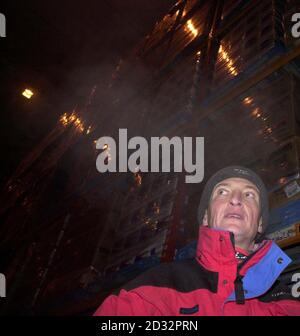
x: 260, y: 226
x: 205, y: 219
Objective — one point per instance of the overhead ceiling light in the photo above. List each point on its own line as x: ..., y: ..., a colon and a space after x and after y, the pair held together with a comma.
x: 27, y: 93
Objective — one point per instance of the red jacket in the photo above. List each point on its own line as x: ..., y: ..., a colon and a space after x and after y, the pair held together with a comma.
x: 211, y: 284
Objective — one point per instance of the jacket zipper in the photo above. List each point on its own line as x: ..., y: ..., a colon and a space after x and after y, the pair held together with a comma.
x: 251, y: 256
x: 238, y: 282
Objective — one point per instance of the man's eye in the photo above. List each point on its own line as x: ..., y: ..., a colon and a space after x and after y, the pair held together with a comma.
x: 222, y: 192
x: 250, y: 194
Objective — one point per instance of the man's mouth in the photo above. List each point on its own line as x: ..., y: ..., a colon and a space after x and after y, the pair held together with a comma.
x: 234, y: 215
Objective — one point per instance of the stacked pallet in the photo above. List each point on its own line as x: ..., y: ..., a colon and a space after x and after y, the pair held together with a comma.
x: 254, y: 35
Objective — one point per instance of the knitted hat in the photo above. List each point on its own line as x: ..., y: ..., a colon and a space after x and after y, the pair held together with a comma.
x: 240, y: 172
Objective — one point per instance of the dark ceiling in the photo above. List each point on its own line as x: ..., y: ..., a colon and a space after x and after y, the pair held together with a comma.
x: 60, y: 49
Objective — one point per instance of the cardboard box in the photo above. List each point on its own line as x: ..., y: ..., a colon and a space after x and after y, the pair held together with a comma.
x: 283, y: 162
x: 284, y: 216
x: 288, y: 236
x: 288, y: 192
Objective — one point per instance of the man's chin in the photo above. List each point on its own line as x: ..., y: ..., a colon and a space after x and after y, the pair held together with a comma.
x: 233, y: 226
x: 235, y: 229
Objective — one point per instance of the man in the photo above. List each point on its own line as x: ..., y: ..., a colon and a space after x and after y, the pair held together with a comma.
x: 234, y: 272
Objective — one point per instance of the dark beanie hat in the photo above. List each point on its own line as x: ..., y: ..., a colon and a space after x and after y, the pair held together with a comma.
x: 240, y: 172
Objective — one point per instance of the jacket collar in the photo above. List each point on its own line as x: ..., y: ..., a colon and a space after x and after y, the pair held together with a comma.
x: 215, y: 251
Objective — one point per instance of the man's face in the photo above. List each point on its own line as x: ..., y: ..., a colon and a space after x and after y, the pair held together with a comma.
x: 235, y: 206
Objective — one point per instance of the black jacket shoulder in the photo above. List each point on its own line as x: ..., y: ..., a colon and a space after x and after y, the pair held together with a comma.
x: 183, y: 276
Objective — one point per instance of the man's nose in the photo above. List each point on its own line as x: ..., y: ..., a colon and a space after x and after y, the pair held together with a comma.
x: 236, y: 198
